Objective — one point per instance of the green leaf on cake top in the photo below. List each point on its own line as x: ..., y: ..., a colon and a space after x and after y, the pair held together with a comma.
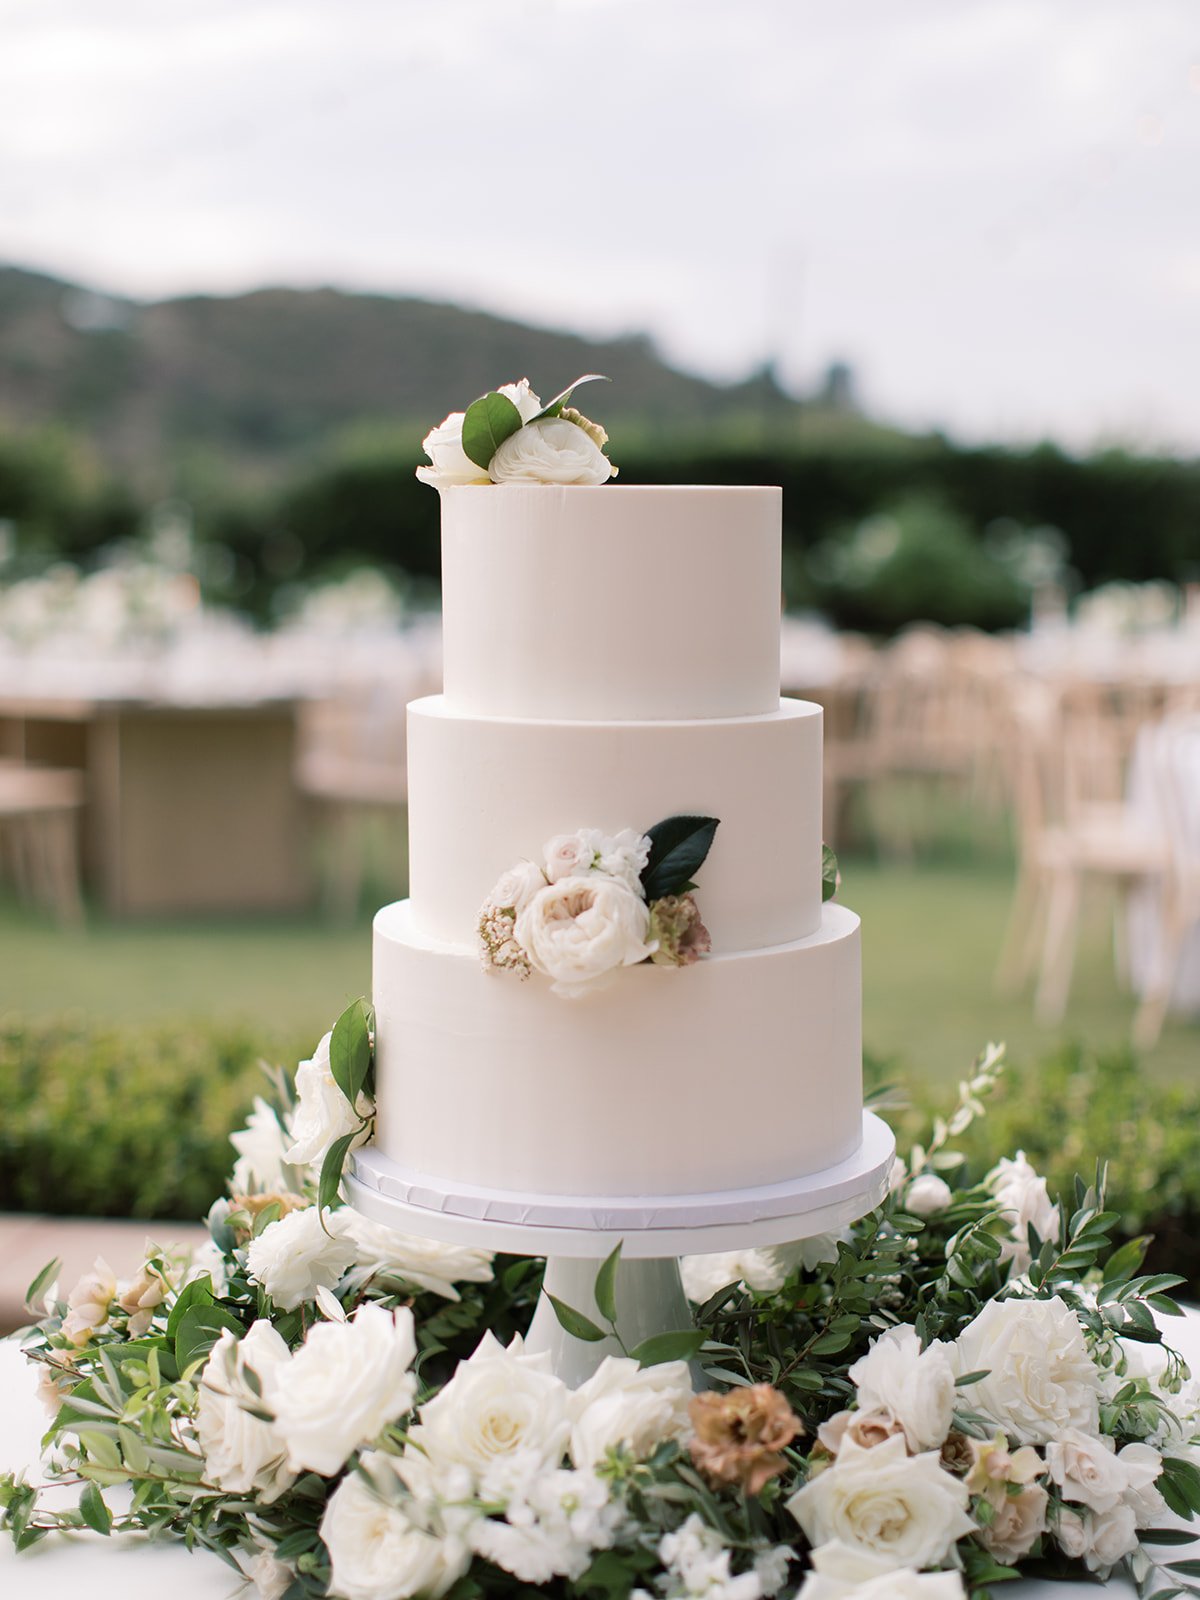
x: 509, y: 436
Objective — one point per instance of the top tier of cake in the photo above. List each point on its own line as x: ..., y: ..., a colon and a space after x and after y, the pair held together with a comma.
x: 635, y: 604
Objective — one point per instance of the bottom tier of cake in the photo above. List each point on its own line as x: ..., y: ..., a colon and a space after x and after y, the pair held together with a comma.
x: 744, y: 1069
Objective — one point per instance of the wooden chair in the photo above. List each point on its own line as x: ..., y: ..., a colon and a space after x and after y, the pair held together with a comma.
x: 1176, y: 770
x: 39, y: 829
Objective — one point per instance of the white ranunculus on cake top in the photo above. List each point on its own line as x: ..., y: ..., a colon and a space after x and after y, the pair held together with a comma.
x: 509, y: 436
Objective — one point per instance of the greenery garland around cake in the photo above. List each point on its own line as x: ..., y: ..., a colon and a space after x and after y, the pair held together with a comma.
x: 968, y: 1384
x: 509, y: 436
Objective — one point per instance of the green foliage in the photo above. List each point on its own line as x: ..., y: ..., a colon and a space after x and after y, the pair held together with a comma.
x: 104, y: 1120
x: 488, y: 422
x: 679, y: 847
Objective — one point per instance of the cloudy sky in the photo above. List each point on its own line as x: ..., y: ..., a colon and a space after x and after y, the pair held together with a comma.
x: 991, y: 208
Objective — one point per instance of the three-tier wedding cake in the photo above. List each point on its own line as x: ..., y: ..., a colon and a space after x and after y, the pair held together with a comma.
x: 611, y: 659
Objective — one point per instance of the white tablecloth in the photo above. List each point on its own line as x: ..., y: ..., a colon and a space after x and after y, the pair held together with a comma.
x: 116, y: 1568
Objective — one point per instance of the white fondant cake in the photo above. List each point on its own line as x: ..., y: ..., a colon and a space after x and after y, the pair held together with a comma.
x: 612, y: 659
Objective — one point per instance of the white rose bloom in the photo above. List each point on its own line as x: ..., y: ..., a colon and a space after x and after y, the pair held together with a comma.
x: 927, y: 1195
x: 572, y: 855
x: 323, y: 1114
x: 261, y: 1153
x: 393, y: 1260
x: 377, y: 1549
x: 904, y: 1509
x: 1040, y: 1379
x: 1142, y: 1466
x: 550, y: 451
x: 1099, y: 1539
x: 698, y: 1564
x: 841, y: 1572
x: 553, y: 1530
x: 89, y: 1302
x: 451, y: 463
x: 293, y: 1256
x: 580, y: 928
x: 1023, y: 1197
x: 242, y: 1453
x: 916, y: 1386
x: 498, y: 1403
x: 1087, y: 1469
x: 514, y: 890
x: 343, y: 1386
x: 763, y: 1270
x: 522, y: 396
x: 624, y: 1404
x: 271, y: 1579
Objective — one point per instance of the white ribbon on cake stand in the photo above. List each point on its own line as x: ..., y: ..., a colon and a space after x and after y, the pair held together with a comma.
x: 575, y: 1233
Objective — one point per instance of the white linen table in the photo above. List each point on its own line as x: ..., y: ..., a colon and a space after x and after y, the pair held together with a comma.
x: 115, y: 1568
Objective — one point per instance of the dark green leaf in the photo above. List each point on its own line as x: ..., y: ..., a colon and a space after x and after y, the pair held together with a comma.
x: 1188, y: 1569
x: 576, y: 1324
x: 331, y: 1169
x: 829, y: 873
x: 1167, y: 1536
x: 93, y: 1510
x: 678, y: 848
x: 606, y: 1286
x: 199, y: 1329
x: 488, y: 422
x: 350, y: 1050
x: 554, y: 408
x: 660, y: 1347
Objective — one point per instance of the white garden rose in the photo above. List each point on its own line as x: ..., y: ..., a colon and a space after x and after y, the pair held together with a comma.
x: 904, y: 1509
x: 522, y: 396
x: 550, y: 451
x: 379, y: 1550
x: 451, y: 463
x: 262, y: 1147
x: 1097, y: 1538
x: 514, y: 890
x: 927, y: 1194
x: 1040, y: 1379
x: 500, y: 1403
x: 294, y: 1256
x: 1142, y: 1466
x: 394, y: 1260
x: 580, y: 928
x: 242, y: 1453
x: 915, y: 1386
x: 343, y: 1386
x: 1086, y: 1469
x: 763, y: 1270
x: 323, y: 1114
x: 843, y: 1572
x: 624, y: 1404
x: 1021, y: 1194
x: 271, y: 1578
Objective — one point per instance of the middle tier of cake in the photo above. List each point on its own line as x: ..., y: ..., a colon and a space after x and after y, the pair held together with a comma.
x: 740, y: 1071
x: 487, y: 792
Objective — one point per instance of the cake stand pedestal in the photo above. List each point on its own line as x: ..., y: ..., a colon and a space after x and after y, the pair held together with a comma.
x: 575, y: 1233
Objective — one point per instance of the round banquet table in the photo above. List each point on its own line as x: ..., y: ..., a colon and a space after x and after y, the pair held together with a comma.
x: 115, y: 1568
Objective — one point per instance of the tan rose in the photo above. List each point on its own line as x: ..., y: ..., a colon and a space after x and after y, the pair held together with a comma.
x: 739, y: 1435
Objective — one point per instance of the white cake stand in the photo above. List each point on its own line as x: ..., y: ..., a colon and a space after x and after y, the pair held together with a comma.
x: 575, y: 1233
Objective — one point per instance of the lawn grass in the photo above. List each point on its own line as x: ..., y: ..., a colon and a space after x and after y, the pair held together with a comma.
x: 931, y: 934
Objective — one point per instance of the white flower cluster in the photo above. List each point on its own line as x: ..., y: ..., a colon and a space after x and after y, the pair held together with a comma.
x: 577, y: 918
x: 896, y: 1494
x: 565, y: 449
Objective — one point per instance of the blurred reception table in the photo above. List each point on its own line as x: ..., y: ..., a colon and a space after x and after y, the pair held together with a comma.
x: 190, y: 807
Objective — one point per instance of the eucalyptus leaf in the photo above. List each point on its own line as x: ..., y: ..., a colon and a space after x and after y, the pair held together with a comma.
x: 331, y: 1170
x: 606, y: 1286
x: 488, y: 422
x: 829, y: 873
x: 660, y: 1347
x: 678, y: 848
x: 41, y: 1283
x: 350, y: 1050
x: 93, y: 1510
x: 576, y: 1324
x: 555, y: 407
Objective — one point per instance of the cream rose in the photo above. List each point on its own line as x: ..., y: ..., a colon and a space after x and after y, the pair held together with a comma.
x: 1086, y: 1469
x: 1022, y: 1196
x: 904, y: 1509
x: 624, y: 1404
x: 343, y: 1386
x: 396, y: 1260
x: 291, y: 1258
x: 580, y: 928
x: 451, y: 463
x: 514, y: 890
x: 1017, y: 1521
x: 550, y: 451
x: 323, y: 1114
x: 572, y: 855
x: 1040, y: 1379
x: 842, y: 1572
x: 1098, y: 1538
x: 378, y: 1551
x: 499, y: 1404
x: 89, y: 1303
x: 271, y: 1579
x: 242, y: 1453
x: 1142, y: 1465
x: 927, y: 1195
x: 262, y: 1147
x: 140, y: 1297
x: 915, y: 1386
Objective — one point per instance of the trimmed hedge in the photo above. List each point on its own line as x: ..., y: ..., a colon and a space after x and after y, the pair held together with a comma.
x: 104, y: 1120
